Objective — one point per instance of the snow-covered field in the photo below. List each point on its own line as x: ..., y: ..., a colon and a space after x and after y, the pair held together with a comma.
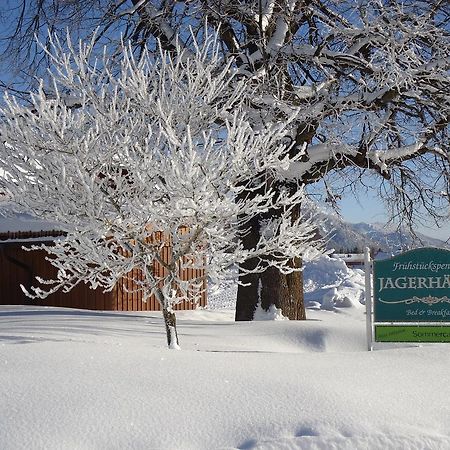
x: 72, y: 379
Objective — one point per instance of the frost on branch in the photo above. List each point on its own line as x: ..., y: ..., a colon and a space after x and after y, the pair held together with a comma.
x: 367, y: 80
x: 159, y: 153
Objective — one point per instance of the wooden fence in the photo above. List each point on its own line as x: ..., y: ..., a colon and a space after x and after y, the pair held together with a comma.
x: 18, y: 266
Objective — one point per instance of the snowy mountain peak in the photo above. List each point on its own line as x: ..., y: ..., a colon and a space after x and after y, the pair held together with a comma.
x: 353, y: 237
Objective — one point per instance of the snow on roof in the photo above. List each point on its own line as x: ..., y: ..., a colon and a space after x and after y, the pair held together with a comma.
x: 17, y: 222
x: 350, y: 257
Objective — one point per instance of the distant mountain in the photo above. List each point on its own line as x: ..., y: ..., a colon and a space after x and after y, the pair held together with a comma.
x: 346, y: 237
x: 391, y: 238
x: 379, y: 236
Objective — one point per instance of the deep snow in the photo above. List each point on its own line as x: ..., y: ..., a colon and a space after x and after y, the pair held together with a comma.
x: 72, y: 379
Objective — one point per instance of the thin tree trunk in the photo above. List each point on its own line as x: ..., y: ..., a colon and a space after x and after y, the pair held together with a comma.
x: 170, y: 320
x: 170, y: 323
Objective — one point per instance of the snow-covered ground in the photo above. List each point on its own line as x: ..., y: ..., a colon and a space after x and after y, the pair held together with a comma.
x: 72, y: 379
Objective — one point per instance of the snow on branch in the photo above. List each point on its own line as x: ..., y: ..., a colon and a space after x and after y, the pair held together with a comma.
x: 163, y: 145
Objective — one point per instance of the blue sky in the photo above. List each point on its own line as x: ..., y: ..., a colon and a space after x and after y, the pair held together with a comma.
x: 365, y: 204
x: 366, y: 208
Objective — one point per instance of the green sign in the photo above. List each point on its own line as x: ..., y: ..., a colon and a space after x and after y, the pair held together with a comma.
x: 410, y: 333
x: 413, y: 287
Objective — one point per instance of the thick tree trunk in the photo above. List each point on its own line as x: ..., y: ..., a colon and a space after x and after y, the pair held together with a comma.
x: 247, y: 296
x: 170, y: 323
x: 284, y: 291
x: 270, y: 287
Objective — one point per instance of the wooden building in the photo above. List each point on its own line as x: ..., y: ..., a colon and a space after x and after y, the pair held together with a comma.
x: 18, y: 266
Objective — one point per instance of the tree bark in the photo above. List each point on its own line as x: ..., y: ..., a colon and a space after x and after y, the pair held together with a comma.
x: 170, y: 323
x: 284, y: 291
x: 247, y: 296
x: 270, y: 287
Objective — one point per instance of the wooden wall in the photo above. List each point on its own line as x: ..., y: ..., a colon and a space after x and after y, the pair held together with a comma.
x: 18, y: 266
x: 129, y: 299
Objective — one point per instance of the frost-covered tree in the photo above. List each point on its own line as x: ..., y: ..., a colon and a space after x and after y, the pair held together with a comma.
x: 370, y: 77
x: 157, y: 151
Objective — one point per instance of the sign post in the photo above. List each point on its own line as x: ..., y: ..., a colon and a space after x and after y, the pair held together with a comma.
x: 368, y: 271
x: 411, y: 297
